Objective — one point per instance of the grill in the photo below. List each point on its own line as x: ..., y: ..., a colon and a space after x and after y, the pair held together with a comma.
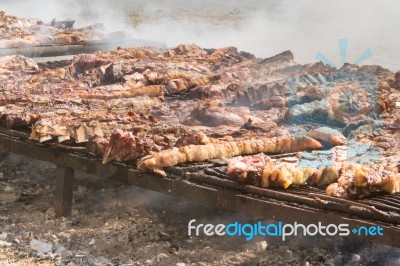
x: 208, y: 183
x: 202, y: 182
x: 52, y: 50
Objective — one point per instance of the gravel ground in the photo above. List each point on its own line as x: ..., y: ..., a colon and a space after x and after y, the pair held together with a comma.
x: 115, y: 224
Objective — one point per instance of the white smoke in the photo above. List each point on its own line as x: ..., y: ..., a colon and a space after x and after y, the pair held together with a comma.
x: 262, y: 27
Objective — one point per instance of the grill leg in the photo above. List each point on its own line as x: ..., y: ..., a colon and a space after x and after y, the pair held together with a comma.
x: 63, y: 191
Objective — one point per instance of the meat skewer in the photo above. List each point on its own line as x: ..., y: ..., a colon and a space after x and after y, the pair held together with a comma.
x: 261, y: 170
x: 356, y: 180
x: 344, y: 180
x: 200, y: 153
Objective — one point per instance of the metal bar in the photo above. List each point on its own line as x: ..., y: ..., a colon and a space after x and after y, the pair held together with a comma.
x: 79, y: 48
x: 63, y: 191
x: 63, y: 158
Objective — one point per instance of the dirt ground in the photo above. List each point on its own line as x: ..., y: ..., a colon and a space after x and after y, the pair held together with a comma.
x: 116, y: 224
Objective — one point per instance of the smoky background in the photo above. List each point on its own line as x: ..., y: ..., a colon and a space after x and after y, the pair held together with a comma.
x: 262, y: 27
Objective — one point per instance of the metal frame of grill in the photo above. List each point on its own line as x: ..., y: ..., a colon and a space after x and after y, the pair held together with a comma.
x: 208, y: 183
x: 51, y: 50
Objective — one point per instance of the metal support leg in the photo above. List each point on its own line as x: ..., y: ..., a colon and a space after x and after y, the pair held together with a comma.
x: 63, y: 191
x: 3, y: 157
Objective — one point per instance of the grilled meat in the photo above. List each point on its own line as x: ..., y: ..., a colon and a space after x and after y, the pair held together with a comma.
x: 344, y: 180
x: 124, y: 146
x: 304, y: 168
x: 328, y: 135
x: 161, y: 107
x: 200, y: 153
x: 357, y: 180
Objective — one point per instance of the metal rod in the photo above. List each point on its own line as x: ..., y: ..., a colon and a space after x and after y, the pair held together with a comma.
x: 51, y: 50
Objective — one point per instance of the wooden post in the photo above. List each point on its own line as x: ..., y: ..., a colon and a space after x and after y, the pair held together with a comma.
x: 63, y: 191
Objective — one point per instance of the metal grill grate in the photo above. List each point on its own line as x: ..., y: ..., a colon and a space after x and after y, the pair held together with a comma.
x: 55, y: 64
x: 209, y: 184
x: 378, y: 206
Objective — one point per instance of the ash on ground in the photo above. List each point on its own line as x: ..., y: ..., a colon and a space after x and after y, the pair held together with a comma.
x: 116, y: 224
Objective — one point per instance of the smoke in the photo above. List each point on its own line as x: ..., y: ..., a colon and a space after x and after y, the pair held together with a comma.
x: 262, y: 27
x: 83, y: 12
